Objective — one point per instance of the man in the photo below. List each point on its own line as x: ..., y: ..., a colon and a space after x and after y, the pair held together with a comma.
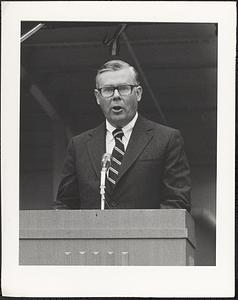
x: 149, y: 169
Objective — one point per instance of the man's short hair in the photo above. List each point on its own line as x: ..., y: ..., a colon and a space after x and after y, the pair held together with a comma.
x: 115, y: 65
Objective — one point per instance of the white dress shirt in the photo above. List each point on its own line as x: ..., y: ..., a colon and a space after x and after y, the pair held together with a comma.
x: 127, y: 130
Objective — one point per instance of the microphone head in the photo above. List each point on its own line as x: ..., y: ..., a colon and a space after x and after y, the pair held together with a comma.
x: 106, y: 160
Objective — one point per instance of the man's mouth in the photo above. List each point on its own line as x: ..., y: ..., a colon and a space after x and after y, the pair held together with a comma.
x: 117, y: 109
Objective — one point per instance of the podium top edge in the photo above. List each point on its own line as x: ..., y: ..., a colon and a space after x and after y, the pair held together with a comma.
x: 108, y: 210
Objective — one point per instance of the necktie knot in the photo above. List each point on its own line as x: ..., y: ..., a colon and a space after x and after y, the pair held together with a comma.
x: 118, y: 133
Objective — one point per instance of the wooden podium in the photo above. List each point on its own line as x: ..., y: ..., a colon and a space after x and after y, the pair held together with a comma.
x: 163, y: 237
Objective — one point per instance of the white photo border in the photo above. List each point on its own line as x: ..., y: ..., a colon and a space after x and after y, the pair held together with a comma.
x: 77, y: 281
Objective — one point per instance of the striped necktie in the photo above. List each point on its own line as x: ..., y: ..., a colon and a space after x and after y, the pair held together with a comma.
x: 117, y: 157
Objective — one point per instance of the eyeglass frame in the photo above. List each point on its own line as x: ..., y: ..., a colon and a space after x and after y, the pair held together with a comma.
x: 116, y: 88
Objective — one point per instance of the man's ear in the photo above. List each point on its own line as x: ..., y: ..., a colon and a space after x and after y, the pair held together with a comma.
x: 96, y: 93
x: 139, y: 92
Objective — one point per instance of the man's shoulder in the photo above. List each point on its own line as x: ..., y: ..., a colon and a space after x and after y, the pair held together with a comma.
x: 163, y: 133
x: 158, y: 126
x: 84, y: 136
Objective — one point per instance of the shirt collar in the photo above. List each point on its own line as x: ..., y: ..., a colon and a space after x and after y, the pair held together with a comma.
x: 126, y: 129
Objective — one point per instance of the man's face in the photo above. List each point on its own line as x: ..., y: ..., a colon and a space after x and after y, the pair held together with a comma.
x: 118, y: 110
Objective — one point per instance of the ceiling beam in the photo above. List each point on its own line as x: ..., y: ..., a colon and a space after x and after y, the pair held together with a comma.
x: 31, y: 32
x: 143, y: 76
x: 44, y: 102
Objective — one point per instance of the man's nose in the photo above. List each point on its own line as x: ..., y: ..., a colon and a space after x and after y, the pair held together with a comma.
x: 116, y: 94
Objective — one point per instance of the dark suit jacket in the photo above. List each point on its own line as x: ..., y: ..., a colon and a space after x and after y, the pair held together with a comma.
x: 154, y: 173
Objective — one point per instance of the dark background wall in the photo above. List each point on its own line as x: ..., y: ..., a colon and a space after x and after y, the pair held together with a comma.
x: 178, y: 64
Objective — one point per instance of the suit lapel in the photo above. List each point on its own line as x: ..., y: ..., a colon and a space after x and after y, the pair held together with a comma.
x: 140, y: 137
x: 97, y: 147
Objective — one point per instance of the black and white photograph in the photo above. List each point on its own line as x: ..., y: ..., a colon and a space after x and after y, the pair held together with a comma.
x: 167, y: 111
x: 120, y: 168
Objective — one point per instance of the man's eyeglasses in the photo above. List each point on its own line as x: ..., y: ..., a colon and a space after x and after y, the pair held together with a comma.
x: 124, y: 90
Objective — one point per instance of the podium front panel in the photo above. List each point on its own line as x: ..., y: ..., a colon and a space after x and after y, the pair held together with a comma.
x: 112, y: 237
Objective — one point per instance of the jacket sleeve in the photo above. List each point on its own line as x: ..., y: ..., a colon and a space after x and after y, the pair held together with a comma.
x: 176, y: 178
x: 68, y: 191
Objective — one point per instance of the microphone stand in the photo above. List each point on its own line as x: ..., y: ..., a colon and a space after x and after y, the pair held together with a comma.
x: 105, y: 165
x: 102, y: 187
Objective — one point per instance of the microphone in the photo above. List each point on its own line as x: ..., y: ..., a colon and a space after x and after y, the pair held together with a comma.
x: 106, y: 162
